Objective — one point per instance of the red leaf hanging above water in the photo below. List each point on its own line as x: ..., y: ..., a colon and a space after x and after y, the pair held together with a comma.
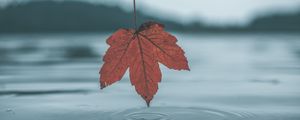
x: 140, y: 51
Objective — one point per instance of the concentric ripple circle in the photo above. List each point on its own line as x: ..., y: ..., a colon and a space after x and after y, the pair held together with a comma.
x: 176, y: 113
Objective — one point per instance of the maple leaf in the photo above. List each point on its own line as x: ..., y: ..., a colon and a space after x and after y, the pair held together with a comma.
x: 140, y: 51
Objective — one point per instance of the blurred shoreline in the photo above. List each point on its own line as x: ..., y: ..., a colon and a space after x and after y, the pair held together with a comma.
x: 74, y: 16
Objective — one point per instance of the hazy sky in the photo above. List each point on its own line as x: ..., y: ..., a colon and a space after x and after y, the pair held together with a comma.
x: 209, y: 11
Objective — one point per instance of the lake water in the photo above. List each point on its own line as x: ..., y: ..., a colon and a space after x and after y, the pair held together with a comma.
x: 232, y: 77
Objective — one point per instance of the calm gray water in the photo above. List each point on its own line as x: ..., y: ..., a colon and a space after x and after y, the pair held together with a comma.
x: 232, y: 77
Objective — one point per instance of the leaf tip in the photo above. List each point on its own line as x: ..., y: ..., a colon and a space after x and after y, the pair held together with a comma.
x: 148, y: 104
x: 188, y: 69
x: 103, y: 85
x: 147, y: 100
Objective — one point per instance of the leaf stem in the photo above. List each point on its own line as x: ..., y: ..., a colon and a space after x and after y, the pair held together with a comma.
x: 134, y: 12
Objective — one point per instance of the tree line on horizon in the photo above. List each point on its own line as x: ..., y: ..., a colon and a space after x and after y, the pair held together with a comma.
x: 75, y: 16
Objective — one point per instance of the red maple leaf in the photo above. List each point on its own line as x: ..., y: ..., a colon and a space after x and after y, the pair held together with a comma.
x: 140, y: 51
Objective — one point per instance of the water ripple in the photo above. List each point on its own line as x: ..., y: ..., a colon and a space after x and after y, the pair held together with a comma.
x: 177, y: 113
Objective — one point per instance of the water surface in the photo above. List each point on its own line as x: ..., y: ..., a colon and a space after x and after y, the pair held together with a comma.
x: 232, y: 77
